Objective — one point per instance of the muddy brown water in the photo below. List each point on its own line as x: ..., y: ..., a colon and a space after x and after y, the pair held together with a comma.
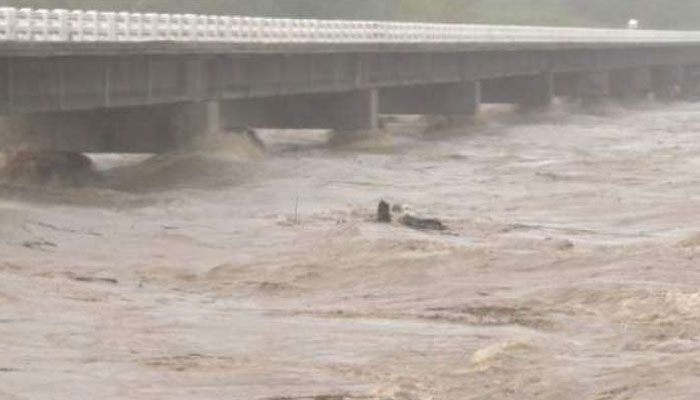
x: 571, y: 268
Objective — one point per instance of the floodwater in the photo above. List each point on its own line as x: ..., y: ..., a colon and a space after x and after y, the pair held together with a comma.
x: 570, y: 270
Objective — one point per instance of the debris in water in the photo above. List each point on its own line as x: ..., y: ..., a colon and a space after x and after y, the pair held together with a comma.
x: 384, y: 212
x: 90, y: 279
x: 560, y: 244
x: 38, y: 244
x: 432, y: 224
x: 407, y: 217
x: 401, y: 209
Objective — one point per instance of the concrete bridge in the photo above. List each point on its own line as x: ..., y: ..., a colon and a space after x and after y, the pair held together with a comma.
x: 123, y: 82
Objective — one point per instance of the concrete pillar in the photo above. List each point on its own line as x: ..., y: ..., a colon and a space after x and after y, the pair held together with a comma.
x: 690, y: 84
x: 594, y: 86
x: 344, y: 111
x: 666, y: 82
x: 438, y: 99
x: 630, y: 84
x: 149, y: 129
x: 586, y: 86
x: 567, y: 84
x: 528, y: 91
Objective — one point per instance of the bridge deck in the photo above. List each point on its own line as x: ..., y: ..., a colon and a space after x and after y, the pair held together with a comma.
x: 54, y: 49
x: 54, y: 32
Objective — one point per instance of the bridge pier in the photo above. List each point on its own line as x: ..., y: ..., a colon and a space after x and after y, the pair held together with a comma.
x: 690, y: 85
x: 587, y: 86
x: 343, y: 111
x: 530, y: 91
x: 444, y: 99
x: 594, y: 86
x: 142, y: 129
x: 666, y: 82
x: 630, y: 84
x: 567, y: 85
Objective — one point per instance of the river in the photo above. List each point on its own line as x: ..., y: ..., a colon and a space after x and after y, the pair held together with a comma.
x: 568, y: 271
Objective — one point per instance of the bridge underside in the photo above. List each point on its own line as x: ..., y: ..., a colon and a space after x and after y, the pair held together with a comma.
x: 155, y: 103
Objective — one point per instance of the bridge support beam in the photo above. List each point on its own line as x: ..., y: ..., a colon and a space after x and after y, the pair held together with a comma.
x: 343, y: 111
x: 147, y: 129
x: 528, y: 91
x: 630, y: 84
x: 666, y: 82
x: 445, y: 99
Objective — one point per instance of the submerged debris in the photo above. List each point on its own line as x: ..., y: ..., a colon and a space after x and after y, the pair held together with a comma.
x: 432, y: 224
x: 407, y: 218
x: 38, y: 244
x: 90, y: 279
x: 384, y: 212
x: 560, y: 244
x: 401, y: 209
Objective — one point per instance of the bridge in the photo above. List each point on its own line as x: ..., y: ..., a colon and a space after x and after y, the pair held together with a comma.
x: 92, y: 81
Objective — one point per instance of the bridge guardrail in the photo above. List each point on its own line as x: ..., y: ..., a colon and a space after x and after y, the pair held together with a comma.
x: 24, y: 24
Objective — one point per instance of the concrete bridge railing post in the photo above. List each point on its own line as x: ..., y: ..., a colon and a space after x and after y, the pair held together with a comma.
x: 61, y: 27
x: 8, y: 23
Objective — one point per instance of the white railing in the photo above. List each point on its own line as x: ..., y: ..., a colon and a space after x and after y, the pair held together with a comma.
x: 26, y: 24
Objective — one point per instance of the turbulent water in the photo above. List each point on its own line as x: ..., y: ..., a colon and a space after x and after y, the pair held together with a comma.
x: 569, y: 271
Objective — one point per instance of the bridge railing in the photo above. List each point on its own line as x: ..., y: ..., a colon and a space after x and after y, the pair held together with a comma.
x: 26, y: 24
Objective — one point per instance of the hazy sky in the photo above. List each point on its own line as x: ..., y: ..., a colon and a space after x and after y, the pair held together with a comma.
x: 652, y: 13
